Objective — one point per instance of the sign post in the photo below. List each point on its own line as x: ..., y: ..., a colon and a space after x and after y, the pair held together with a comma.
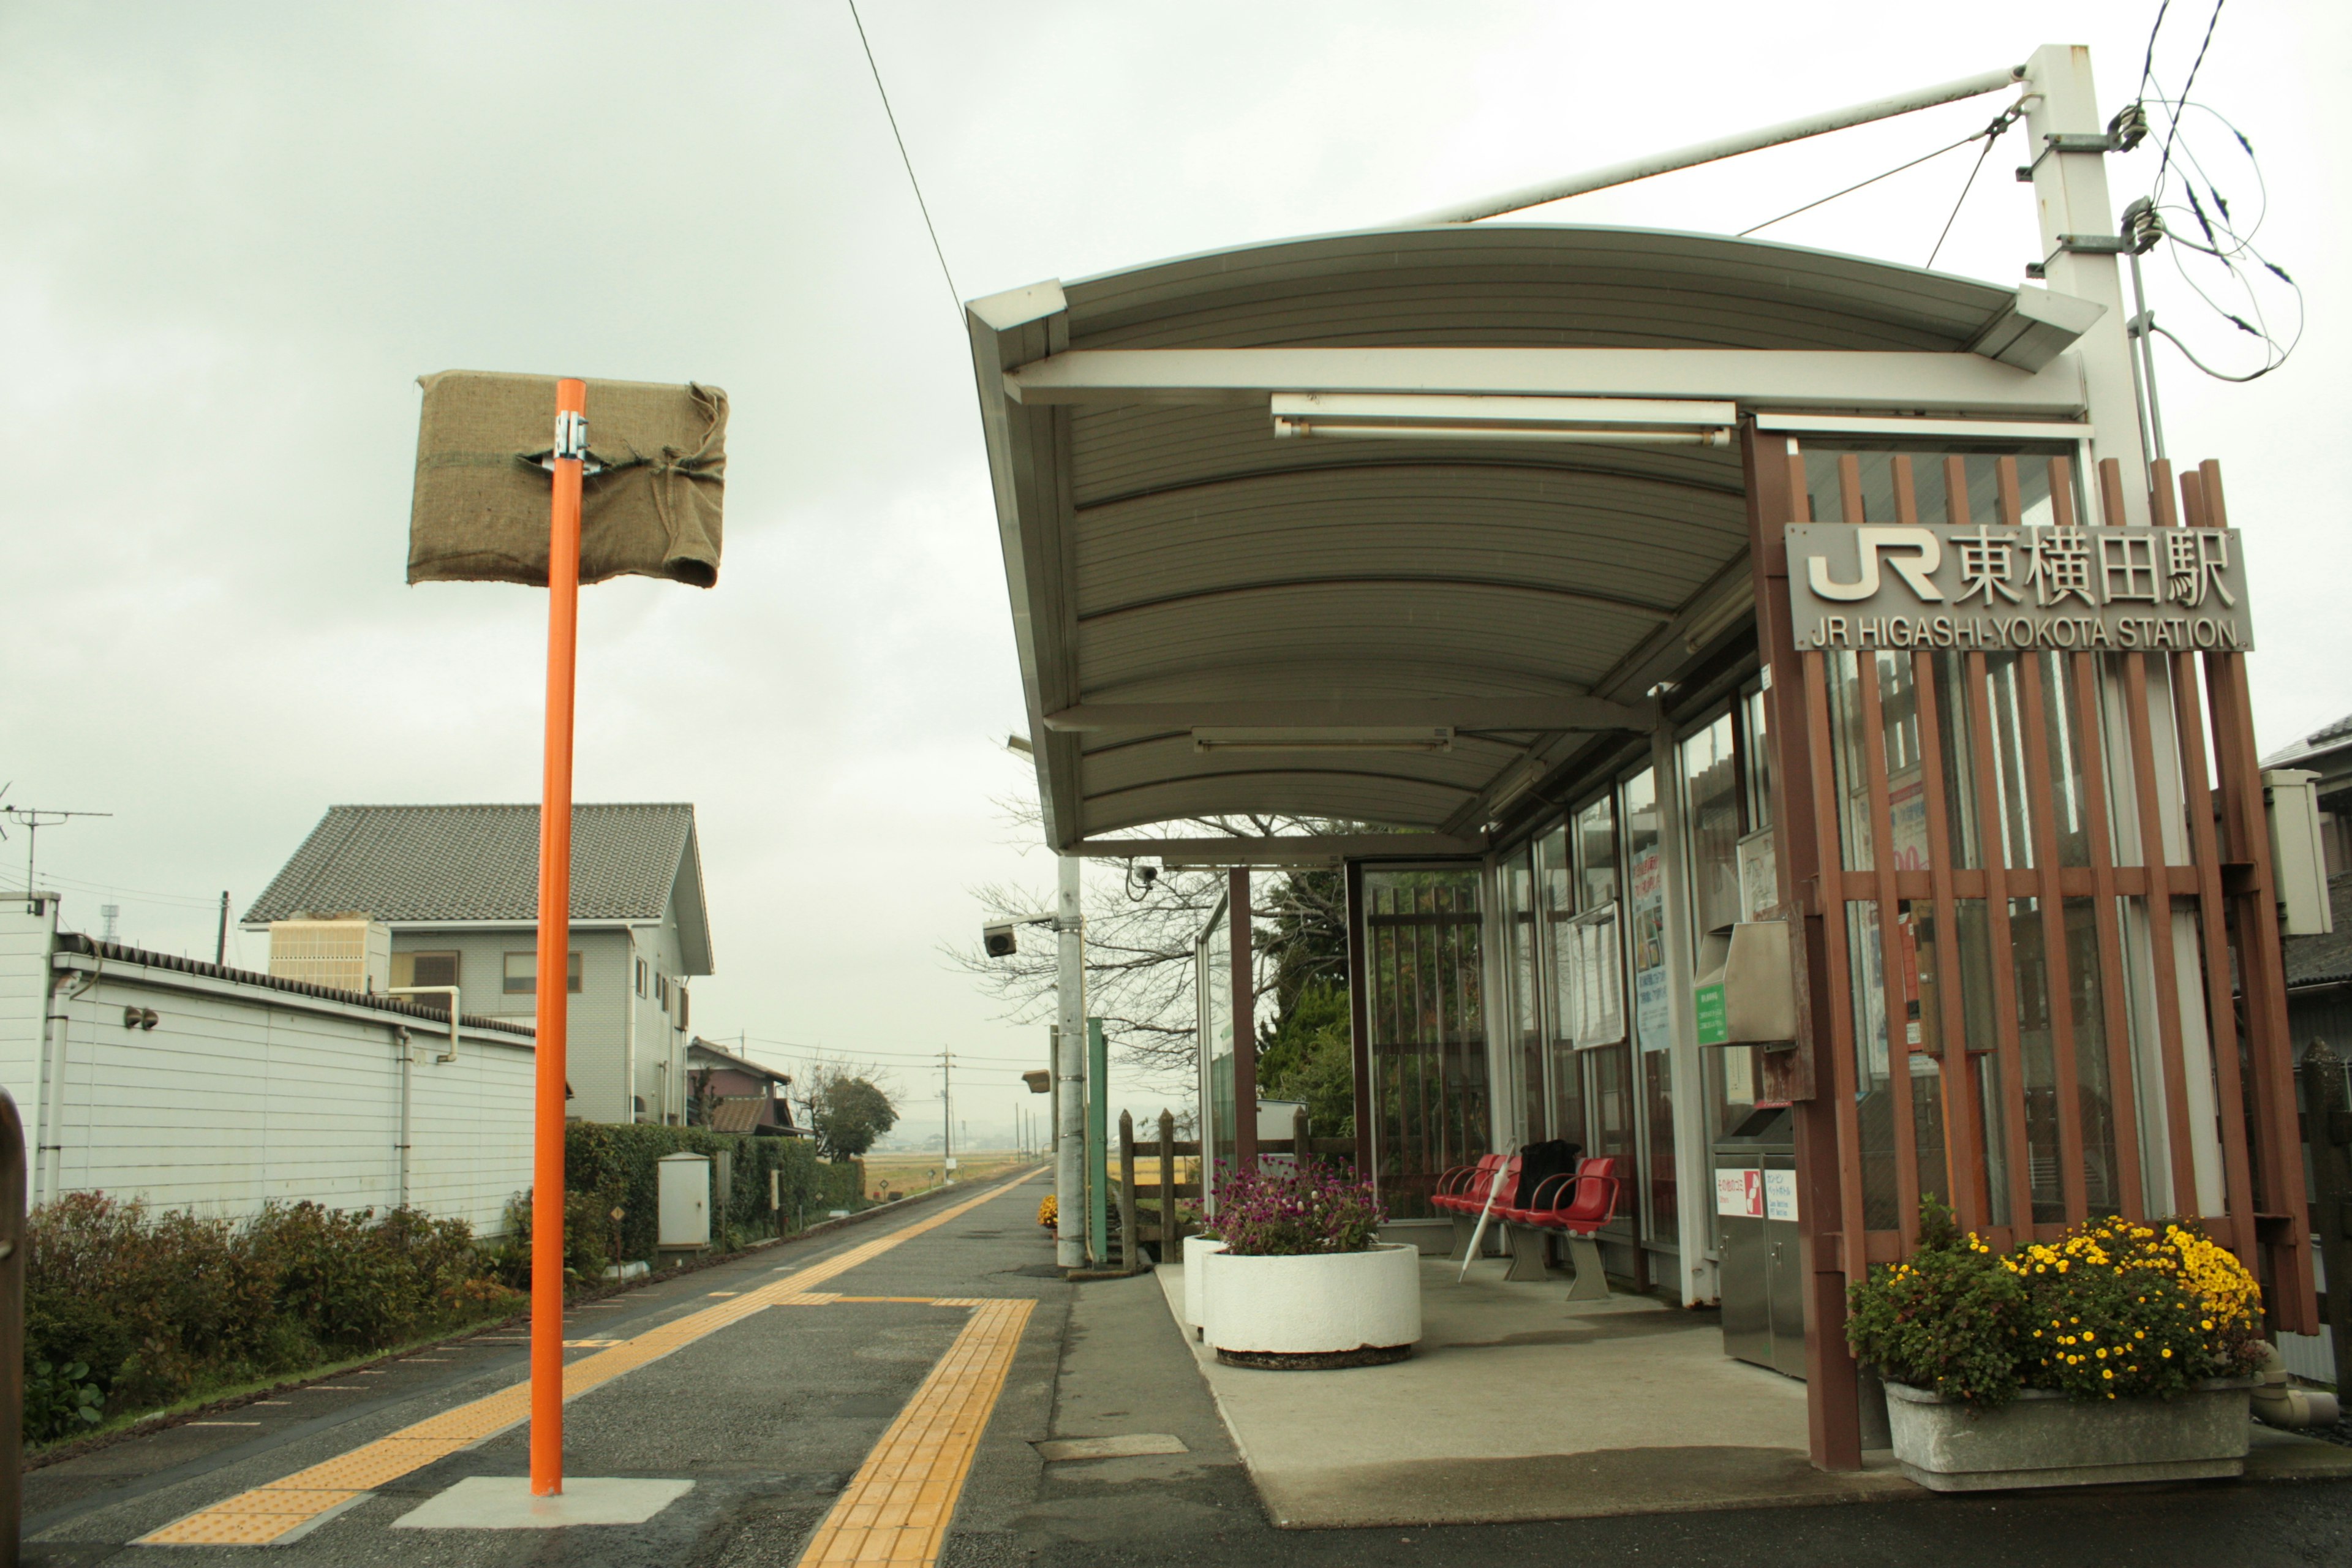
x: 552, y: 976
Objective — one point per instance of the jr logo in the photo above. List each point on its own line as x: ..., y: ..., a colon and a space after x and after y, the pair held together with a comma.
x: 1913, y: 552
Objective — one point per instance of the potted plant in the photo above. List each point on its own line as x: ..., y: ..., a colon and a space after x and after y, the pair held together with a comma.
x: 2119, y: 1352
x: 1303, y: 1279
x: 1201, y: 1239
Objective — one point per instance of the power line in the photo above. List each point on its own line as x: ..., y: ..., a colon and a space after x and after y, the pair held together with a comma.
x: 2148, y: 61
x: 2187, y: 87
x: 955, y: 295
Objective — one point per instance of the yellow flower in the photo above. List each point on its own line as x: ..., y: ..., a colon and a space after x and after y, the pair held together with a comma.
x: 2109, y: 1373
x: 2168, y: 1353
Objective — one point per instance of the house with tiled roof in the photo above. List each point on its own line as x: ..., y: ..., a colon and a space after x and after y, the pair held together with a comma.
x: 459, y: 888
x: 2327, y: 751
x: 731, y: 1093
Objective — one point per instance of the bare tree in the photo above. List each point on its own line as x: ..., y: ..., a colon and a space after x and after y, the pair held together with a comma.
x: 1140, y: 936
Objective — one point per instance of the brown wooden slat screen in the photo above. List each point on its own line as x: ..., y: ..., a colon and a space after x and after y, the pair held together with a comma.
x: 1993, y: 919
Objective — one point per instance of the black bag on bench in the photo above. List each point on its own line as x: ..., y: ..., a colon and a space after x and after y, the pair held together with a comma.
x: 1556, y: 1157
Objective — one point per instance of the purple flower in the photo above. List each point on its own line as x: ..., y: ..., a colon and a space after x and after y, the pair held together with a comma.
x: 1287, y: 1212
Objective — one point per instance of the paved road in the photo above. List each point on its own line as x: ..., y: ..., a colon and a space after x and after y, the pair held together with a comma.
x: 776, y: 1416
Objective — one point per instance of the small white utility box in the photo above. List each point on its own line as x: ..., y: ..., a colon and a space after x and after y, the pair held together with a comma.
x: 684, y: 1202
x: 2298, y: 859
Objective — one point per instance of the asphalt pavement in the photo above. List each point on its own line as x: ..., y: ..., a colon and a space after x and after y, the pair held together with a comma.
x: 775, y: 1417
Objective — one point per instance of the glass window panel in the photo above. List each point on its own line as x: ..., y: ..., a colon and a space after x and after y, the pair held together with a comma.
x: 1570, y: 975
x: 1217, y: 1036
x: 1428, y: 1044
x: 1646, y: 942
x: 1711, y: 795
x: 1518, y: 907
x: 1596, y: 854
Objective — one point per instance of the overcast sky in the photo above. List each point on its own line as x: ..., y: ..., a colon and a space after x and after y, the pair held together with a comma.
x: 235, y: 235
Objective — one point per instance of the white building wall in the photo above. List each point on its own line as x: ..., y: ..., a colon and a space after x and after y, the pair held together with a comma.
x: 243, y: 1094
x: 597, y: 1022
x: 661, y: 1043
x: 26, y: 935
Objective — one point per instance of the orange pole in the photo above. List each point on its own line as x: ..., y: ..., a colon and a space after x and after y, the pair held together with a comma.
x: 554, y: 974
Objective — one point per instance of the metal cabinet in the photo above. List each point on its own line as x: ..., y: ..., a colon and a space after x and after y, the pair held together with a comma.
x: 1756, y: 1228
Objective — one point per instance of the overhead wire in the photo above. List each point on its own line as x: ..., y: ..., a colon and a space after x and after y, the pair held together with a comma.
x: 2186, y: 87
x: 2228, y: 239
x: 955, y: 295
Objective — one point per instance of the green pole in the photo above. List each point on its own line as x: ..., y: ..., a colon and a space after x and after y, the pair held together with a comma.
x: 1097, y: 1143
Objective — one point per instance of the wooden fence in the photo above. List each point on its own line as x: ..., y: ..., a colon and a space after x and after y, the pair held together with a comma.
x: 1153, y: 1167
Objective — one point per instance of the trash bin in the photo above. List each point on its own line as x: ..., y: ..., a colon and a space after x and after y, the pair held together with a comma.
x: 1756, y: 1228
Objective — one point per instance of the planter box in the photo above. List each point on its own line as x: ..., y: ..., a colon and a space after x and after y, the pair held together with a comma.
x: 1325, y: 1309
x: 2044, y: 1439
x: 1196, y: 1255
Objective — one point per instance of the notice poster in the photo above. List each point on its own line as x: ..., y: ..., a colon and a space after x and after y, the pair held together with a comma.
x: 1780, y: 1195
x: 1653, y: 1015
x: 1906, y: 802
x: 1741, y: 1194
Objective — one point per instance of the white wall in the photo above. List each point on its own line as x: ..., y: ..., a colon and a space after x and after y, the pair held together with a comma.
x: 596, y: 1022
x: 243, y: 1094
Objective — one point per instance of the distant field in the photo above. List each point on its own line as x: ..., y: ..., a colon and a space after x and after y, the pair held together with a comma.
x: 921, y: 1173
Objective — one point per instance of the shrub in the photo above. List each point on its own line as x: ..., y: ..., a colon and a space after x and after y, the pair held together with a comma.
x: 1947, y: 1317
x: 1289, y: 1212
x: 2111, y: 1310
x: 2121, y: 1309
x: 617, y: 1165
x: 127, y: 1307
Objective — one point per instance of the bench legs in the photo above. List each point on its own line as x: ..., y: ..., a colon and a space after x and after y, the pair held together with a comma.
x: 1592, y: 1284
x: 1465, y: 1225
x: 1530, y: 1255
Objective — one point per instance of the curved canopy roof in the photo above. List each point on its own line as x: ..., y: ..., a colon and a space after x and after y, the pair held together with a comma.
x: 1178, y: 573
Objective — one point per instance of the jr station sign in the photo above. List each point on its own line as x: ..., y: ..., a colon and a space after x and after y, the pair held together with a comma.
x: 1873, y: 586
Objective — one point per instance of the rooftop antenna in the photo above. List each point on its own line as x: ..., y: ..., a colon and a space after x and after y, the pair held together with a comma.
x: 32, y: 819
x: 108, y: 911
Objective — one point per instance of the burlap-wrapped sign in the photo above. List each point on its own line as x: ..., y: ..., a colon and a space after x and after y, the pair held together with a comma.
x: 649, y: 504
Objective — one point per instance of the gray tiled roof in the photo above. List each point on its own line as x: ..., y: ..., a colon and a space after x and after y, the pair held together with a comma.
x: 2316, y: 960
x: 2326, y: 738
x: 481, y: 863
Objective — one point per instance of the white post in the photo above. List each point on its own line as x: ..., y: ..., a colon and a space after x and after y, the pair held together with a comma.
x: 2070, y: 192
x: 1686, y: 1069
x: 1070, y: 1076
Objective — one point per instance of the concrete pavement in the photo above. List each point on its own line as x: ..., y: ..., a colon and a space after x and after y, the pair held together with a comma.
x: 793, y: 1420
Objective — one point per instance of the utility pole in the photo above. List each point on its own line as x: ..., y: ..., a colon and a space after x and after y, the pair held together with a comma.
x: 220, y: 942
x: 1070, y: 1072
x: 946, y: 1116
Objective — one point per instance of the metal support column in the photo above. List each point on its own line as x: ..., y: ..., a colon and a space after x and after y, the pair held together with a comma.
x: 1245, y: 987
x: 1070, y: 1076
x: 1685, y: 1068
x: 1098, y: 1146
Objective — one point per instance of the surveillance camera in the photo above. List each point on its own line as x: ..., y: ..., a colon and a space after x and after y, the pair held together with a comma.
x: 997, y: 940
x: 1147, y: 875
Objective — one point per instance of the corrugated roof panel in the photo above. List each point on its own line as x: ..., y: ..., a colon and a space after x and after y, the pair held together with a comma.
x: 480, y: 863
x: 1200, y: 559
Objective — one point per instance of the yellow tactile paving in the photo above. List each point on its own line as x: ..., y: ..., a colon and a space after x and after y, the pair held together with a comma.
x: 896, y: 1508
x: 258, y: 1517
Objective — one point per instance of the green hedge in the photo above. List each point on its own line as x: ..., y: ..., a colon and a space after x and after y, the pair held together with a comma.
x: 616, y: 1165
x: 129, y: 1309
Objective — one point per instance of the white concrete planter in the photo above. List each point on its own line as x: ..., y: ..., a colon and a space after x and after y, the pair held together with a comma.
x: 1325, y: 1309
x: 1196, y: 1253
x: 2045, y: 1439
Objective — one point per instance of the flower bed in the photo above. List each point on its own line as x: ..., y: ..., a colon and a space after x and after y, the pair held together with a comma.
x: 1294, y: 1275
x: 2117, y: 1313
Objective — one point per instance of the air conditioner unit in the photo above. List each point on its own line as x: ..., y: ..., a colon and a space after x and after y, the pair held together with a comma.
x: 344, y: 952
